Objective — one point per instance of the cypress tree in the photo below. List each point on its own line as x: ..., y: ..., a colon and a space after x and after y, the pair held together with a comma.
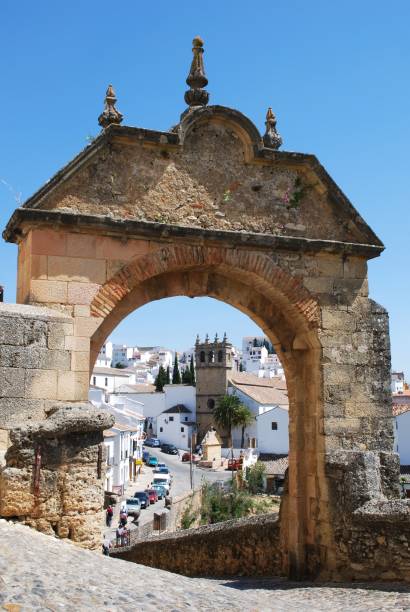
x: 192, y: 371
x: 161, y: 379
x: 168, y: 376
x: 186, y: 376
x: 176, y: 376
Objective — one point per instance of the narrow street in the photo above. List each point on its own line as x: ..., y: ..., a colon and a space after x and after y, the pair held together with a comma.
x: 180, y: 484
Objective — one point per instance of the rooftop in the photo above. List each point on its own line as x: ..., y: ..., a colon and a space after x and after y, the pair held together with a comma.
x: 128, y: 388
x: 266, y: 391
x: 111, y: 372
x: 177, y: 409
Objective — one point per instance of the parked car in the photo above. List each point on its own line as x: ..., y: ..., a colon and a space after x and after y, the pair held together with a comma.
x: 234, y: 464
x: 161, y: 470
x: 133, y: 507
x: 160, y: 465
x: 170, y: 449
x: 163, y: 482
x: 145, y: 456
x: 153, y: 442
x: 187, y: 457
x: 144, y: 499
x: 161, y: 491
x: 152, y: 461
x: 152, y: 494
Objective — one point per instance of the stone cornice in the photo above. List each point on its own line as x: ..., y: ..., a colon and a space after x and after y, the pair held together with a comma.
x: 23, y: 218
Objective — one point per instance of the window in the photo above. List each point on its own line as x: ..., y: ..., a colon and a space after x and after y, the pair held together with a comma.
x: 106, y: 382
x: 161, y: 429
x: 171, y: 419
x: 211, y: 403
x: 211, y: 357
x: 94, y: 380
x: 186, y: 418
x: 182, y: 429
x: 220, y: 356
x: 202, y: 357
x: 274, y: 425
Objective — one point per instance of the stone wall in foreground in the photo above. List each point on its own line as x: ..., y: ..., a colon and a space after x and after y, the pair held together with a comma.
x: 53, y: 472
x: 242, y: 547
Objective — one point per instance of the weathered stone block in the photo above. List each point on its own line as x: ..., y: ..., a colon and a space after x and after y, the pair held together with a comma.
x: 41, y: 384
x: 48, y: 242
x: 77, y: 269
x: 12, y: 382
x: 72, y: 386
x: 82, y: 293
x: 48, y: 291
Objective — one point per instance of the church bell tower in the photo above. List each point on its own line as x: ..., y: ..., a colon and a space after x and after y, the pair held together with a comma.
x: 213, y: 363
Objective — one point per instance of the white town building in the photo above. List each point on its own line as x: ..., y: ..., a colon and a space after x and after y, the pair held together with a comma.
x: 175, y: 426
x: 268, y: 401
x: 104, y: 359
x: 123, y: 442
x: 401, y: 411
x: 397, y: 382
x: 259, y: 358
x: 110, y: 379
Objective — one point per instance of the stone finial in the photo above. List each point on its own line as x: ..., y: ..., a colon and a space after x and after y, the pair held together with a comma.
x: 225, y: 339
x: 110, y: 114
x: 196, y: 95
x: 206, y: 338
x: 216, y: 337
x: 197, y: 339
x: 271, y: 138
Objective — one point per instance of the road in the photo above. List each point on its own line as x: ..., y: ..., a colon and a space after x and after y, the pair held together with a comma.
x: 181, y: 480
x: 180, y: 485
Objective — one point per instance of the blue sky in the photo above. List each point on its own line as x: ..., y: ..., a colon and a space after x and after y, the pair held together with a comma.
x: 336, y: 75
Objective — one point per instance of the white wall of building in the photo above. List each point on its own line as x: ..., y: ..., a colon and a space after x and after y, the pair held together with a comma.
x: 110, y: 381
x: 269, y: 439
x: 173, y: 428
x: 181, y: 394
x: 402, y: 437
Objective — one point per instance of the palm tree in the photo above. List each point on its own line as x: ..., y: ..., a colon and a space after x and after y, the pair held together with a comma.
x: 230, y: 412
x: 224, y: 413
x: 243, y: 418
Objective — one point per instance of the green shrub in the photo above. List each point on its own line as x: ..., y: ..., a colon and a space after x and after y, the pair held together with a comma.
x: 255, y: 477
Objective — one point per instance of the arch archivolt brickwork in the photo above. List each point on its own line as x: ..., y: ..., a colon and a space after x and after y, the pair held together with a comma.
x: 254, y: 266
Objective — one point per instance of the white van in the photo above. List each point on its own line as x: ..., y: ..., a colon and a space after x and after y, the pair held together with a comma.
x: 164, y: 480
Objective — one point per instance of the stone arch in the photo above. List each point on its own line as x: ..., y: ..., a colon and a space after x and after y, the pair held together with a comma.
x: 289, y: 315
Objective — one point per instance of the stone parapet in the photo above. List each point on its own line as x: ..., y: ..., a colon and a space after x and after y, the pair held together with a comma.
x: 242, y: 547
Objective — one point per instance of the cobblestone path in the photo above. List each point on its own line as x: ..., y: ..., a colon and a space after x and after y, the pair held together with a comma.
x: 38, y: 572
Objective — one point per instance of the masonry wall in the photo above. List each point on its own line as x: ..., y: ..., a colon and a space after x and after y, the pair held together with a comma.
x: 35, y: 362
x: 52, y: 477
x: 243, y: 547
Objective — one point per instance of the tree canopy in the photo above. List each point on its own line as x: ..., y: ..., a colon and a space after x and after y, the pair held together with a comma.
x: 230, y: 412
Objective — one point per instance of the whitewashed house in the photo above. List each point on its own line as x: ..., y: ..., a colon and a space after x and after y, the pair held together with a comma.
x: 123, y: 441
x: 268, y: 401
x: 257, y: 360
x: 397, y: 382
x: 110, y: 379
x: 175, y: 426
x: 401, y: 411
x: 156, y: 402
x: 104, y: 359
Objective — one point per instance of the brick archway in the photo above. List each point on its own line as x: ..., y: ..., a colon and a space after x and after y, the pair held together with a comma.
x: 286, y: 311
x: 255, y: 269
